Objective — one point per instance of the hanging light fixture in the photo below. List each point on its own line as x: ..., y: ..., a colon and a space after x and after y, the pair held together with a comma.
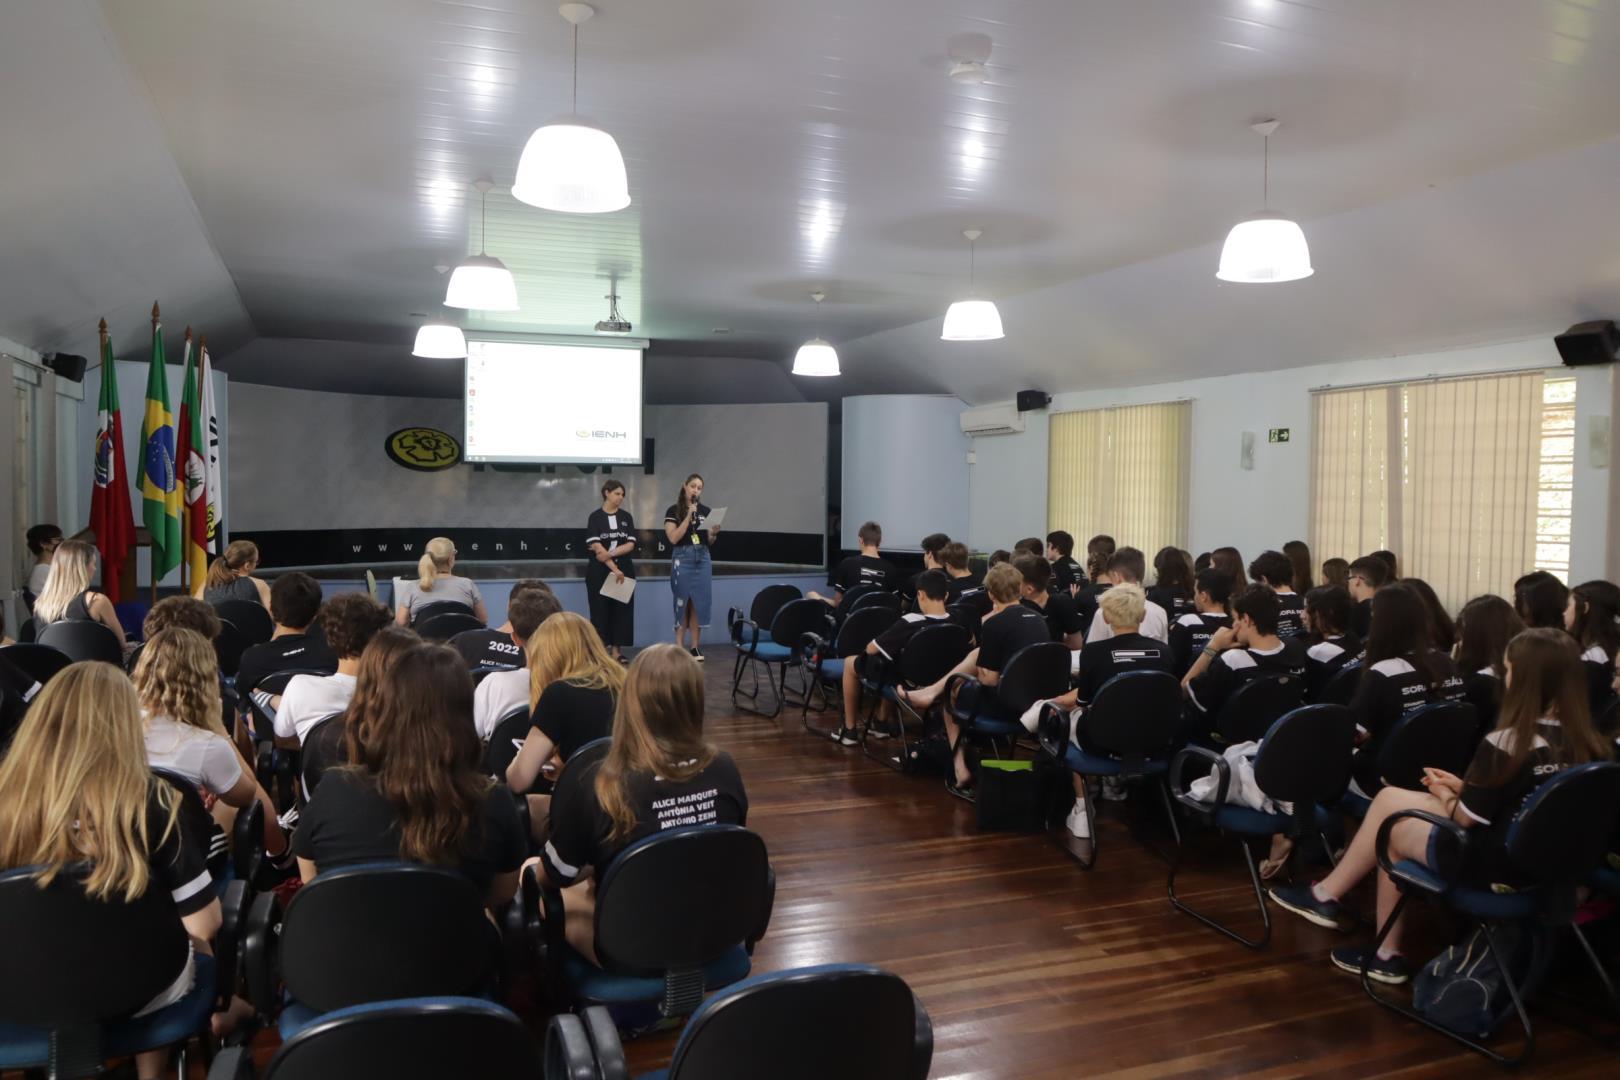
x: 816, y: 357
x: 571, y: 165
x: 1268, y: 247
x: 972, y: 319
x: 440, y: 341
x: 482, y: 282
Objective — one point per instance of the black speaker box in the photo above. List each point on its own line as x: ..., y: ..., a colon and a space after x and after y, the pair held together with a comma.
x: 68, y: 366
x: 1030, y: 400
x: 1589, y: 343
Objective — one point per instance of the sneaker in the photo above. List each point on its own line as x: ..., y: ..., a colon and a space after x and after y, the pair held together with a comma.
x: 844, y: 737
x: 697, y: 656
x: 1303, y: 902
x: 1392, y: 972
x: 1078, y: 823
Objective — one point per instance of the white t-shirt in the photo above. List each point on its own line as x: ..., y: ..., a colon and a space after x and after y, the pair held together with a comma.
x: 498, y: 696
x: 38, y: 576
x: 203, y: 757
x: 1155, y: 624
x: 309, y: 699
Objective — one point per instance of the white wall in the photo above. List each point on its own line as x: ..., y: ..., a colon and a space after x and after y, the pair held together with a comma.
x: 904, y: 465
x: 1267, y: 506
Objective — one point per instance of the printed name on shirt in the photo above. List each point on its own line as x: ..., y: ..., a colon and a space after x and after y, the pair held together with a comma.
x: 695, y: 808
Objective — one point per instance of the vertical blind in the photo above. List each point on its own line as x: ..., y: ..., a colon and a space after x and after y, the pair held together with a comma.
x: 1121, y: 471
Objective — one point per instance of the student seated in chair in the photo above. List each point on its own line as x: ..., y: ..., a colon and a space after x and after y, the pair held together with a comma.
x: 1368, y: 574
x: 1330, y: 644
x: 1099, y: 549
x: 1057, y: 608
x: 67, y: 593
x: 1212, y: 596
x: 1125, y: 567
x: 349, y: 621
x: 965, y: 586
x: 1336, y: 571
x: 414, y: 790
x: 75, y: 788
x: 659, y: 773
x: 931, y: 545
x: 1545, y: 727
x: 1173, y: 582
x: 437, y: 582
x: 1593, y: 620
x: 1248, y: 649
x: 867, y: 568
x: 326, y: 747
x: 295, y: 600
x: 492, y: 647
x: 1009, y: 627
x: 1485, y: 625
x: 1067, y: 575
x: 501, y: 692
x: 1276, y: 571
x: 230, y: 577
x: 932, y: 592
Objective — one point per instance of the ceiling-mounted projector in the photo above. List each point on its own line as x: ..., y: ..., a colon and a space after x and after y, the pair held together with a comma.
x: 614, y: 323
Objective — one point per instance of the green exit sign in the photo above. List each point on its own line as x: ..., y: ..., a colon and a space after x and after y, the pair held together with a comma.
x: 1279, y: 434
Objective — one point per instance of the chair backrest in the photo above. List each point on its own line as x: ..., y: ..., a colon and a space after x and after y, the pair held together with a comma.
x: 877, y: 598
x: 1440, y: 735
x: 414, y: 1039
x: 439, y: 607
x: 856, y: 593
x: 505, y: 741
x: 195, y: 820
x: 681, y: 898
x: 966, y: 615
x: 798, y: 618
x: 1256, y: 705
x: 444, y: 625
x: 83, y: 639
x: 86, y: 960
x: 1557, y: 835
x: 778, y: 1025
x: 1136, y: 714
x: 1032, y: 673
x: 384, y: 930
x: 1340, y: 689
x: 478, y: 675
x: 932, y: 652
x: 324, y: 748
x: 276, y: 682
x: 1606, y: 719
x: 768, y: 601
x: 228, y: 647
x: 39, y: 661
x: 1305, y: 755
x: 252, y: 619
x: 862, y: 627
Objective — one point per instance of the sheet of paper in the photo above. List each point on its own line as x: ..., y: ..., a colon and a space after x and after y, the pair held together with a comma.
x: 621, y: 591
x: 716, y: 518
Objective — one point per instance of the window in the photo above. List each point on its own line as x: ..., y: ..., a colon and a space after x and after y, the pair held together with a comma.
x: 1468, y: 480
x: 1121, y: 471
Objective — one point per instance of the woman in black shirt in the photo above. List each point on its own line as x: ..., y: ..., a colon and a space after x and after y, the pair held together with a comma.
x: 690, y: 571
x: 1593, y: 620
x: 1172, y: 583
x: 611, y: 539
x: 1485, y: 625
x: 659, y: 774
x: 414, y: 790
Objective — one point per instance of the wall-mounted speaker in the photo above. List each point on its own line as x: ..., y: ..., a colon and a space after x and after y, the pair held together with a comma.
x: 1584, y: 343
x: 1030, y: 400
x: 1246, y: 451
x: 69, y: 366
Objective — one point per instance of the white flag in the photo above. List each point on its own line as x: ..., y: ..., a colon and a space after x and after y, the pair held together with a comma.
x: 210, y: 422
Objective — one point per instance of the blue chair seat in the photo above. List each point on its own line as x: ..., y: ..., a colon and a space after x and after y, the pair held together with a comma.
x: 593, y: 986
x: 1086, y: 764
x: 23, y: 1046
x: 832, y: 670
x: 1241, y: 819
x: 1606, y: 879
x: 1353, y: 805
x: 996, y: 727
x: 1480, y: 903
x: 295, y: 1017
x: 769, y: 651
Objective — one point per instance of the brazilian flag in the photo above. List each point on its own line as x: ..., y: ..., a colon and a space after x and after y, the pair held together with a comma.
x: 160, y: 494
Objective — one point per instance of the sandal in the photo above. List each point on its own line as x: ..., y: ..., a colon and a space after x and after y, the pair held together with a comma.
x: 1272, y: 865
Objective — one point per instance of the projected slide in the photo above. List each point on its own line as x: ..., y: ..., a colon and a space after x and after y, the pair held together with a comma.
x: 552, y: 404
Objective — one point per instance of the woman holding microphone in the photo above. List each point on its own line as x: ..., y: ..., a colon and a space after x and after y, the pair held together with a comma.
x: 611, y: 539
x: 689, y: 568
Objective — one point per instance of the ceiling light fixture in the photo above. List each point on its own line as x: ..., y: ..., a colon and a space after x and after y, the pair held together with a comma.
x: 614, y: 323
x: 972, y: 319
x: 482, y: 282
x: 1268, y: 247
x: 569, y: 164
x: 439, y: 340
x: 816, y: 357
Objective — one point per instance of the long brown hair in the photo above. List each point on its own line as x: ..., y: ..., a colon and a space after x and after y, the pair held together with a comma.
x: 223, y: 570
x: 421, y: 751
x: 377, y: 663
x: 178, y: 676
x: 657, y: 729
x: 1485, y: 625
x: 1596, y: 616
x: 1299, y: 555
x: 1545, y: 679
x: 680, y: 500
x: 75, y: 784
x: 567, y: 648
x: 1230, y: 561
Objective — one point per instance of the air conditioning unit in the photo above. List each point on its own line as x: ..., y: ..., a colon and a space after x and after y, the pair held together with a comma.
x: 993, y: 420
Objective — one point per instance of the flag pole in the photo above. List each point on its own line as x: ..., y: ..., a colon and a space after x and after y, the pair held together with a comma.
x: 151, y: 564
x: 185, y: 510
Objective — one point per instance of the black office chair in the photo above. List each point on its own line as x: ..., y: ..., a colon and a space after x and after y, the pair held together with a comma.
x: 106, y: 960
x: 1129, y: 731
x: 967, y: 615
x: 855, y: 594
x: 40, y: 661
x: 1440, y: 735
x: 766, y: 603
x: 366, y: 933
x: 1255, y: 706
x: 773, y: 1025
x: 928, y: 657
x: 1304, y: 760
x: 1606, y: 720
x: 444, y: 626
x: 826, y: 659
x: 1033, y: 673
x: 228, y: 648
x: 252, y: 619
x: 777, y: 650
x: 878, y: 598
x: 438, y: 607
x: 83, y: 639
x: 325, y: 747
x: 505, y: 742
x: 1341, y: 686
x: 425, y: 1038
x: 1553, y: 841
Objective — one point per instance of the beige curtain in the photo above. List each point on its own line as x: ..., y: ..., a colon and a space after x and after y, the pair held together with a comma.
x: 1121, y: 471
x: 1351, y: 454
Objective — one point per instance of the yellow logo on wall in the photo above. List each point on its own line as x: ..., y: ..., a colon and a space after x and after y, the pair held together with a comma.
x: 424, y: 449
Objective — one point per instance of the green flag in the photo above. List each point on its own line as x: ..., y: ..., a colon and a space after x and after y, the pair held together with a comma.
x: 160, y: 494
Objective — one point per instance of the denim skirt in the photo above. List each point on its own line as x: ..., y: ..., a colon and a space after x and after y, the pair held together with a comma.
x: 690, y: 581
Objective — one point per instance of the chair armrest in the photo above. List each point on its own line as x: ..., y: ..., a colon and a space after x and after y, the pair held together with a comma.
x: 745, y: 633
x: 247, y: 842
x: 264, y: 765
x: 922, y: 1041
x: 962, y: 698
x: 605, y: 1044
x: 544, y: 925
x: 232, y: 1063
x: 1223, y: 783
x: 568, y: 1050
x: 1459, y: 835
x: 234, y: 907
x: 1052, y: 730
x: 260, y: 972
x: 765, y: 916
x: 813, y: 647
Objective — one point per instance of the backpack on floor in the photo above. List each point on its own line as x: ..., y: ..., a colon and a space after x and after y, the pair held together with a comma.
x: 1462, y: 988
x: 1021, y: 796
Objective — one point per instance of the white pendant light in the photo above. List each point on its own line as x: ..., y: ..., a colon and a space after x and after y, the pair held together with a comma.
x: 571, y: 165
x: 440, y: 341
x: 1268, y: 247
x: 482, y: 282
x: 972, y: 319
x: 816, y: 357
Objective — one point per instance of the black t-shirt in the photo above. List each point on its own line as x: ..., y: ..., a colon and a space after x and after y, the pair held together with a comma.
x: 1387, y: 691
x: 1087, y: 598
x: 488, y: 649
x: 610, y: 533
x: 1483, y: 690
x: 1599, y: 675
x: 350, y: 821
x: 1327, y: 658
x: 1174, y: 605
x: 1066, y: 574
x: 1061, y: 615
x: 892, y: 640
x: 179, y: 862
x: 17, y: 689
x: 1003, y: 634
x: 862, y: 570
x: 571, y: 715
x: 1188, y: 636
x: 1102, y: 660
x: 581, y: 831
x: 694, y: 533
x: 958, y: 588
x: 1495, y: 802
x: 1291, y: 616
x: 1361, y: 619
x: 294, y: 652
x: 1235, y: 667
